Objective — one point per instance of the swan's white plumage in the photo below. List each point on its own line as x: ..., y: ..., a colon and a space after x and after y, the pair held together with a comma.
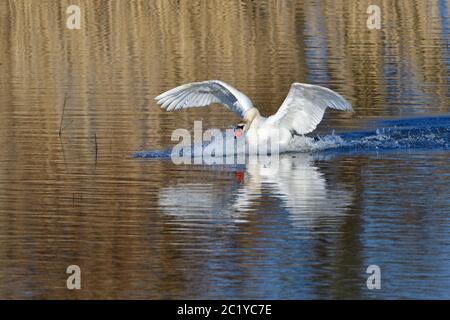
x: 300, y: 113
x: 200, y: 94
x: 304, y: 107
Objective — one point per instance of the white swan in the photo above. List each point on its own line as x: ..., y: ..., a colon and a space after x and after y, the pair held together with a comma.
x: 300, y: 113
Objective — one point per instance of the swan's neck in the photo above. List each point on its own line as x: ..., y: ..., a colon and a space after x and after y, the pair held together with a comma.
x: 252, y: 117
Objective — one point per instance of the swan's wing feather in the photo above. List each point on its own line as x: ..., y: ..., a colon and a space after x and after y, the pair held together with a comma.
x: 305, y: 105
x: 200, y: 94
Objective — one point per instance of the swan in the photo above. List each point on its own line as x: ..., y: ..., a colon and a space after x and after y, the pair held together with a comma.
x: 301, y: 111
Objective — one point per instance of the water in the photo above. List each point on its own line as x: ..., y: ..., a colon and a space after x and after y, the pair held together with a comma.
x: 77, y: 107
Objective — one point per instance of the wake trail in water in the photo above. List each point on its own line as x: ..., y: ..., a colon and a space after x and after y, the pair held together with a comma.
x: 417, y: 133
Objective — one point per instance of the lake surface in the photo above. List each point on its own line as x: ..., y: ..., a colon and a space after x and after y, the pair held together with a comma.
x: 85, y: 180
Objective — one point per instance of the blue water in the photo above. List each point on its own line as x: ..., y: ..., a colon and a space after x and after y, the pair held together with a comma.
x: 341, y: 202
x: 428, y: 133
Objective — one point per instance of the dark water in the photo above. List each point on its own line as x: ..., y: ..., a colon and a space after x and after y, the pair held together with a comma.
x: 77, y: 108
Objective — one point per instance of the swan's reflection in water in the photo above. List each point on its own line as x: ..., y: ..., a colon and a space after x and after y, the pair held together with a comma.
x: 259, y: 230
x: 296, y: 186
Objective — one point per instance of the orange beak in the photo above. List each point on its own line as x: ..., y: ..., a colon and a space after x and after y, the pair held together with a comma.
x: 238, y: 133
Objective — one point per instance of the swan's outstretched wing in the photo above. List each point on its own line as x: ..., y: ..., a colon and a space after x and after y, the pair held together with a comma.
x: 304, y: 107
x: 200, y: 94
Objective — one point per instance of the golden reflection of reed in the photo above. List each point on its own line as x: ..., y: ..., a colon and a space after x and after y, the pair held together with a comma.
x: 68, y: 206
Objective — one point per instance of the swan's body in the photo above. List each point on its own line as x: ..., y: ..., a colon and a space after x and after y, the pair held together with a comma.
x: 300, y: 113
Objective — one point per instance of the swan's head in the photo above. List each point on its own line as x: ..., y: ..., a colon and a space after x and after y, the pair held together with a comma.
x: 249, y: 116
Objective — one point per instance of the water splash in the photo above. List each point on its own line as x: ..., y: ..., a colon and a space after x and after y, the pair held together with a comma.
x: 417, y: 133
